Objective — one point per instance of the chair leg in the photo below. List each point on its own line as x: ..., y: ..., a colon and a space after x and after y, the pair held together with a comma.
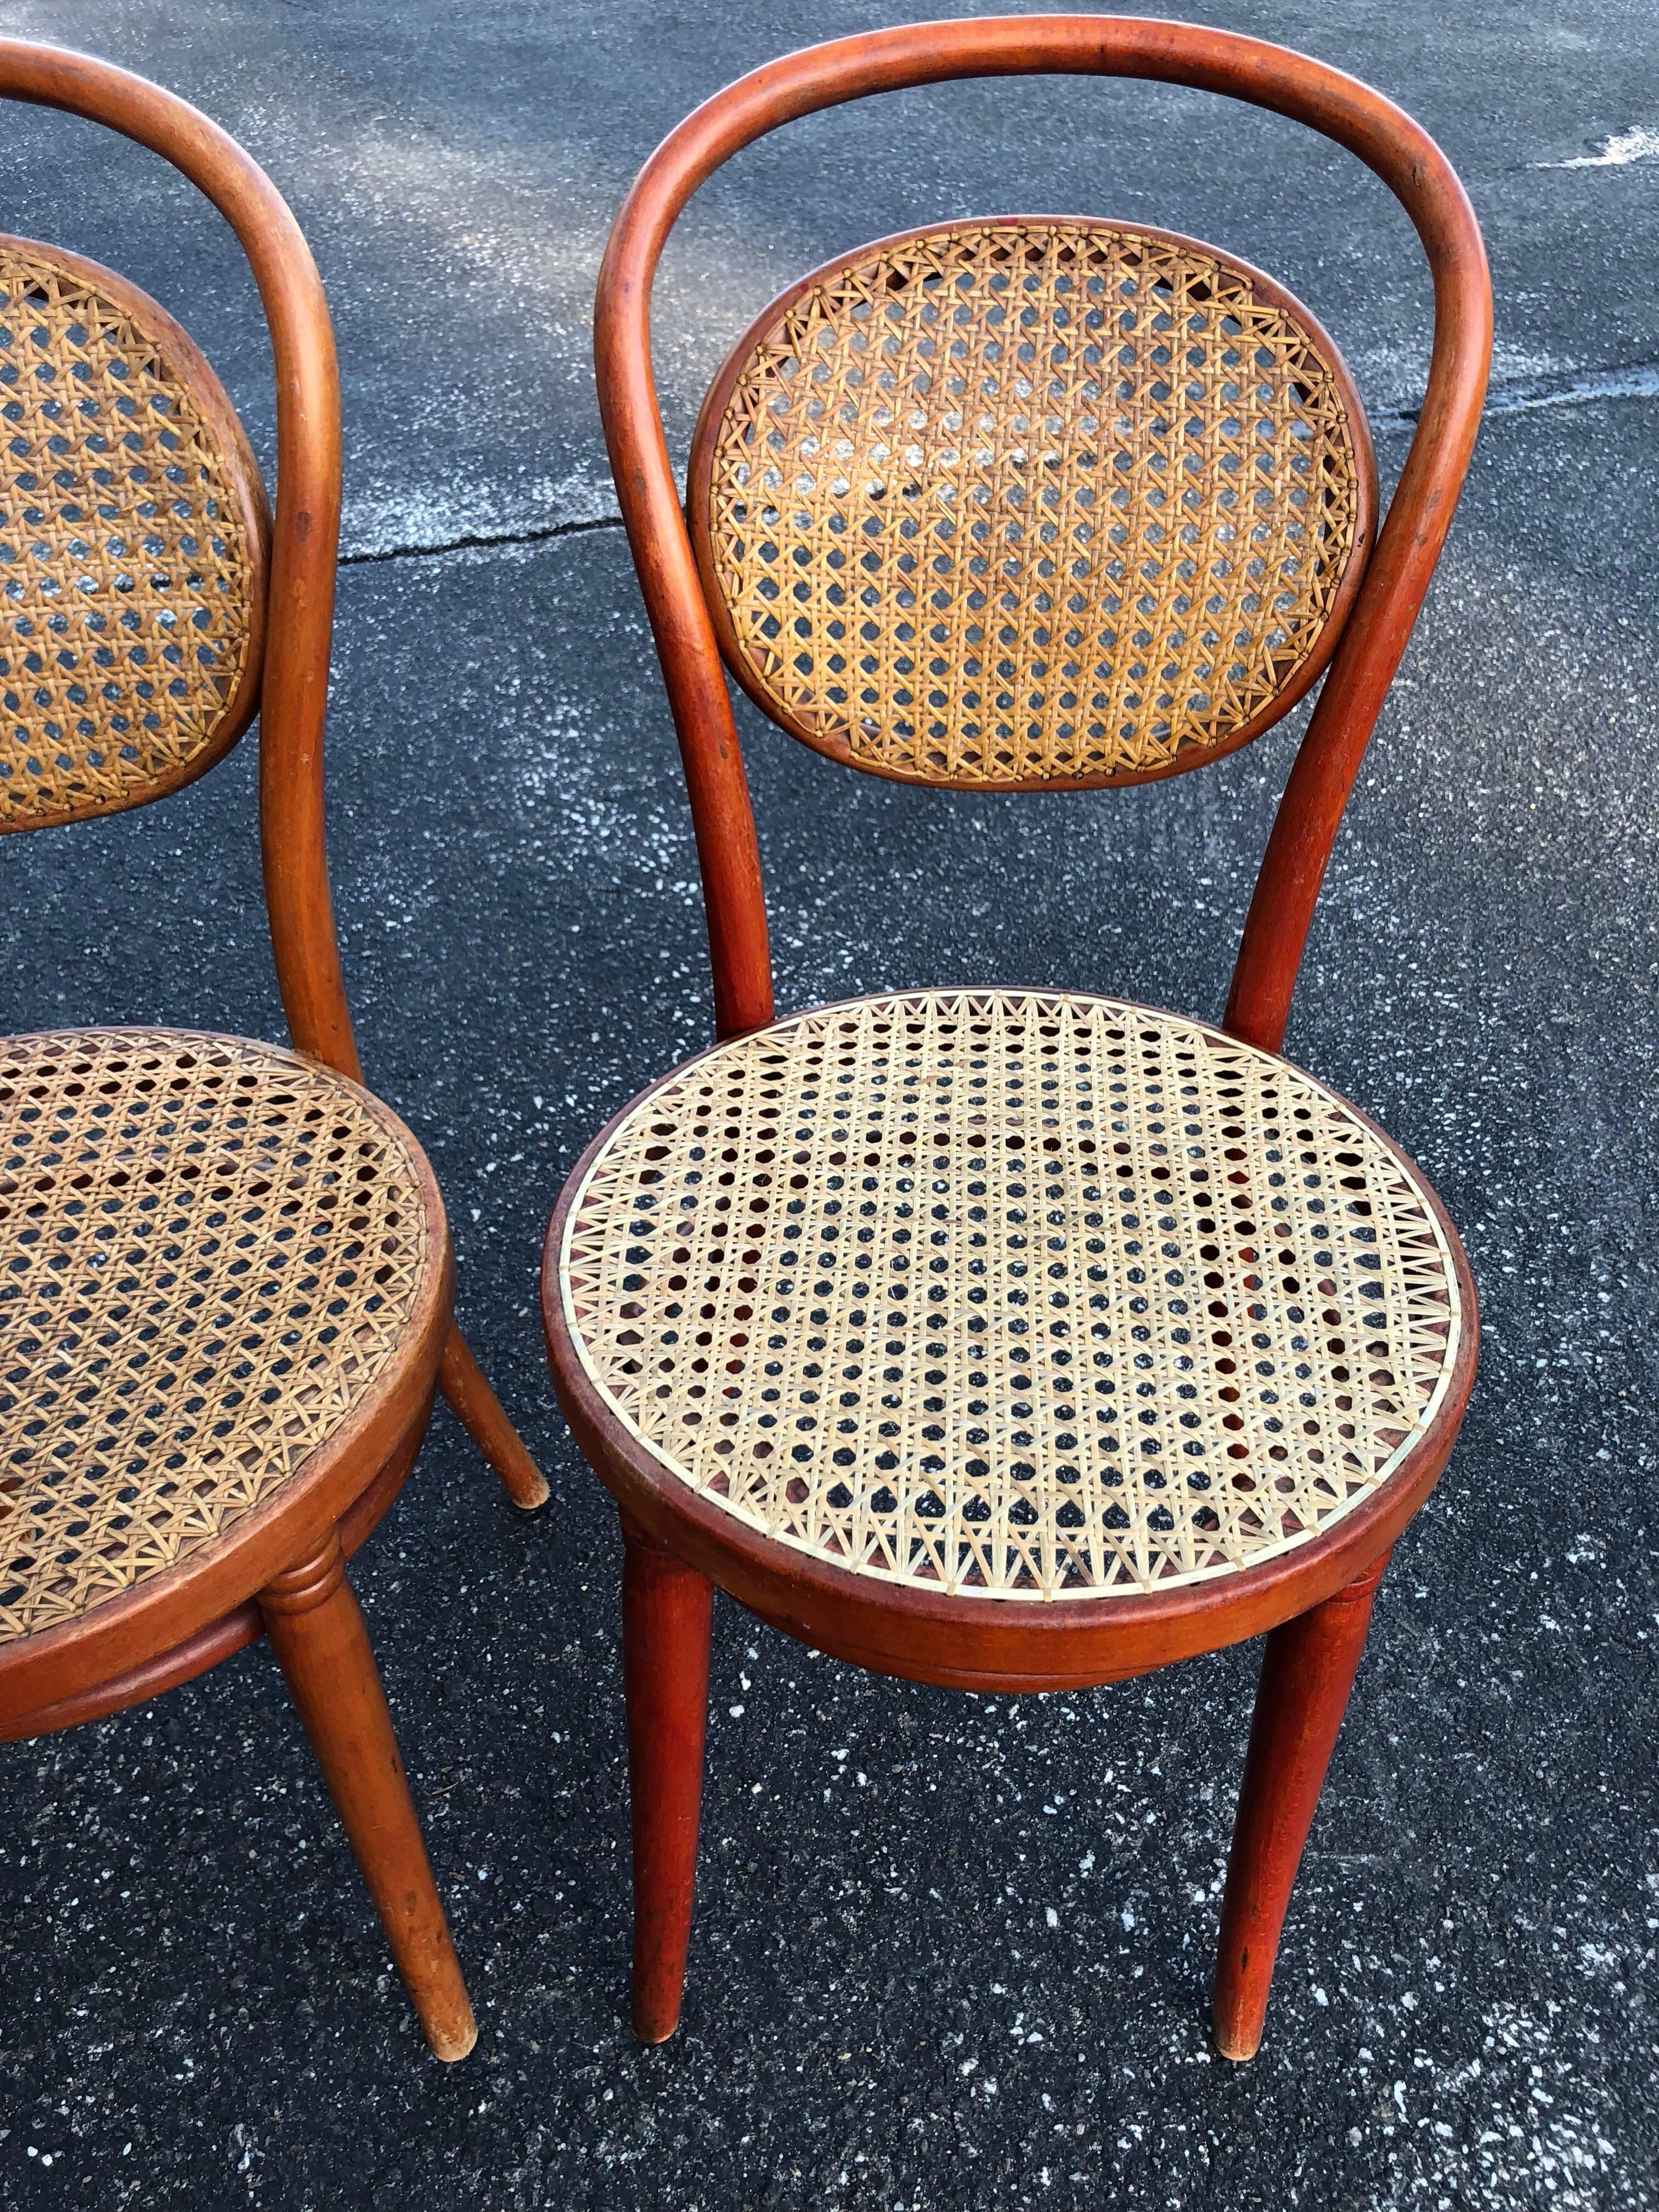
x: 479, y: 1413
x: 322, y: 1646
x: 1306, y: 1674
x: 667, y: 1612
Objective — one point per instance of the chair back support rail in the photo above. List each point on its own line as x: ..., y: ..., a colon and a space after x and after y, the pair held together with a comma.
x: 299, y: 609
x: 157, y: 581
x: 1394, y: 583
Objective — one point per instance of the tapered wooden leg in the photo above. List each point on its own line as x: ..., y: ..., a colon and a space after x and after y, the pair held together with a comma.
x: 322, y: 1646
x: 479, y: 1413
x: 667, y: 1611
x: 1306, y: 1674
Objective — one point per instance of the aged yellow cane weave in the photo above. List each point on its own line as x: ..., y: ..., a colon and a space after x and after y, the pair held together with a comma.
x: 212, y: 1250
x: 1013, y: 1295
x: 125, y: 566
x: 1032, y: 501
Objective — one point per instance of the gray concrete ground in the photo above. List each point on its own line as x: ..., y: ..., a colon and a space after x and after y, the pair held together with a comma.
x: 948, y: 1952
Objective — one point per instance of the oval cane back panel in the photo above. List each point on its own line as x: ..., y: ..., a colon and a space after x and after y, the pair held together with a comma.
x: 1012, y: 1296
x: 210, y: 1251
x: 1031, y: 502
x: 131, y: 547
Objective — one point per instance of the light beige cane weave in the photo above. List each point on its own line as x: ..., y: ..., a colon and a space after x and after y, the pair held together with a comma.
x: 128, y: 544
x: 1035, y: 502
x: 1013, y: 1295
x: 212, y: 1250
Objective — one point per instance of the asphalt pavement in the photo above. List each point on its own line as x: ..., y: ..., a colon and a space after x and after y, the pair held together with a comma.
x: 950, y: 1951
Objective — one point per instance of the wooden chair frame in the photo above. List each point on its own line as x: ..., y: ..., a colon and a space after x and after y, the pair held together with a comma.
x: 1313, y: 1601
x: 279, y: 1570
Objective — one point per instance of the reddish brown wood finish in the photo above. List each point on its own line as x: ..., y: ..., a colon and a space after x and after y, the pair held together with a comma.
x: 218, y: 1598
x: 1381, y: 135
x: 221, y: 1639
x: 962, y: 1643
x: 1307, y: 1673
x: 1312, y: 1601
x: 667, y: 1609
x: 83, y: 1655
x: 970, y: 1643
x: 317, y: 1635
x: 479, y: 1410
x: 306, y: 526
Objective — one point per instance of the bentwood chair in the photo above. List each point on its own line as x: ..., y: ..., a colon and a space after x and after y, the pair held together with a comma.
x: 1018, y: 1338
x: 225, y: 1273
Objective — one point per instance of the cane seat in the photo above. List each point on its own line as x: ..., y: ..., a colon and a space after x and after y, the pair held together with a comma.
x: 1012, y: 1295
x: 213, y: 1252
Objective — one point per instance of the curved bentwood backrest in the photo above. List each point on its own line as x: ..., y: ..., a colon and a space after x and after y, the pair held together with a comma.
x: 151, y: 607
x: 1036, y: 503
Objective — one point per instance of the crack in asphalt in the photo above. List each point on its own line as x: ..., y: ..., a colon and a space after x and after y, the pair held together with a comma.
x: 1521, y: 396
x: 487, y: 541
x: 1524, y: 394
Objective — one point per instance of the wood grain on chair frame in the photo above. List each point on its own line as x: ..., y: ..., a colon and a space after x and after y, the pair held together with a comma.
x: 1018, y: 1340
x: 229, y: 1287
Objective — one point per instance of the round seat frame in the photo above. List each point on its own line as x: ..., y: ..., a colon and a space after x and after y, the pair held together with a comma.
x: 1020, y: 503
x: 177, y: 1617
x: 899, y: 1623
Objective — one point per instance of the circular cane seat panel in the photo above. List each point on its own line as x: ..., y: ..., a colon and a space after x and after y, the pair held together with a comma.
x: 209, y: 1252
x: 1031, y: 501
x: 131, y: 547
x: 1012, y: 1296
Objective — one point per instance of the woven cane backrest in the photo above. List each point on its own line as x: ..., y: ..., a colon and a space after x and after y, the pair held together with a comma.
x: 1031, y: 503
x: 132, y: 547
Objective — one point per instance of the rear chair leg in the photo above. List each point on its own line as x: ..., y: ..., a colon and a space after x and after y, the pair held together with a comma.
x: 479, y: 1413
x: 667, y: 1612
x: 321, y: 1645
x: 1306, y: 1674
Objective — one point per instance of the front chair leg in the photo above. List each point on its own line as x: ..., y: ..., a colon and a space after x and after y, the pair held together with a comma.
x: 322, y: 1646
x: 666, y: 1610
x: 479, y: 1410
x: 1306, y: 1674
